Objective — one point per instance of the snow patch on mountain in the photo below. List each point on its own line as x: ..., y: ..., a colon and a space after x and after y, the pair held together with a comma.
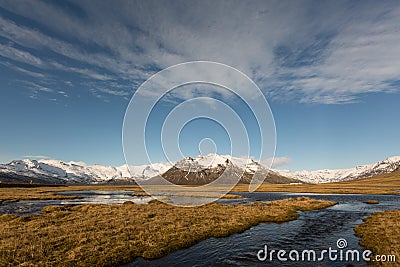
x: 52, y: 171
x: 337, y: 175
x: 78, y: 172
x: 144, y: 171
x: 212, y: 160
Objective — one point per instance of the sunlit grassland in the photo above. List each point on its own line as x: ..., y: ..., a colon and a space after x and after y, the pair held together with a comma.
x: 380, y: 233
x: 108, y: 235
x: 104, y: 235
x: 12, y: 194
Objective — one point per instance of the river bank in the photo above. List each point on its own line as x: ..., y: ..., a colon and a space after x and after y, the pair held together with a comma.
x: 104, y: 235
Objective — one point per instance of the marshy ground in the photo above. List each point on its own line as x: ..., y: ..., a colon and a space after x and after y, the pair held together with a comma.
x: 380, y: 233
x: 104, y: 235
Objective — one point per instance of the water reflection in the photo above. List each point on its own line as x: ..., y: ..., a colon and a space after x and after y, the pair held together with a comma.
x: 103, y: 197
x: 87, y: 197
x: 97, y: 197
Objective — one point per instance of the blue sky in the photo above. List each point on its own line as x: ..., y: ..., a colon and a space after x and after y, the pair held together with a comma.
x: 330, y: 71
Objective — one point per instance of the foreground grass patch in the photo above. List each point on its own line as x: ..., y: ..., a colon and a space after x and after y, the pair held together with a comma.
x: 104, y: 235
x: 380, y: 233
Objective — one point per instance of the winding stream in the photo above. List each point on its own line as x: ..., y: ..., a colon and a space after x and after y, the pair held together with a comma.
x: 316, y: 230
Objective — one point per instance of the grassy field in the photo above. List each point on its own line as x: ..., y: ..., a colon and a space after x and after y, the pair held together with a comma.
x: 380, y: 233
x: 104, y: 235
x: 13, y: 194
x: 108, y: 235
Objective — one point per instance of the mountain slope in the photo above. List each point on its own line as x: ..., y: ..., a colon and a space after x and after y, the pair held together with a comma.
x: 205, y: 169
x: 200, y: 170
x: 59, y: 172
x: 327, y: 176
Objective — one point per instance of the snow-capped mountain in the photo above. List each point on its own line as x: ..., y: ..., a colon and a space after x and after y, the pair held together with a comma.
x: 198, y: 170
x: 144, y: 172
x: 327, y: 176
x: 56, y: 171
x: 214, y: 160
x: 205, y: 169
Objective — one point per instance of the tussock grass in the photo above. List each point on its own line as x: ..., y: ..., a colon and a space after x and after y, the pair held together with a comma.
x: 191, y: 194
x: 37, y: 193
x: 380, y: 233
x: 108, y: 235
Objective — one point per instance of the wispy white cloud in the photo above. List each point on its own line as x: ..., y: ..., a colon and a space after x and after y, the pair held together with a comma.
x: 23, y: 70
x: 63, y: 93
x: 113, y: 92
x: 326, y: 53
x: 85, y: 72
x: 13, y: 53
x: 44, y: 89
x: 36, y: 88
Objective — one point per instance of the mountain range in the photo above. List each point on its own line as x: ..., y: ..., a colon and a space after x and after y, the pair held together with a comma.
x: 205, y: 169
x: 199, y: 170
x: 388, y: 165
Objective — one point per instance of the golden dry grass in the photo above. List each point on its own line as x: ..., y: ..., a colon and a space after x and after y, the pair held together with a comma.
x: 381, y: 184
x: 108, y: 235
x: 13, y: 194
x: 380, y: 233
x: 189, y: 194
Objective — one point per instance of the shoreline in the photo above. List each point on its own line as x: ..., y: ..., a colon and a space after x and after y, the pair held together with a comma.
x: 385, y: 184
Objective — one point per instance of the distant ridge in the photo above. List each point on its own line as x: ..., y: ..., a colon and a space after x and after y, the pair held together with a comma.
x: 199, y: 170
x: 388, y: 165
x: 205, y: 169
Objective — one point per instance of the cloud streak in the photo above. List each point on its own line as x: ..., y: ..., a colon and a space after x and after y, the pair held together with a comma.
x: 304, y: 51
x: 15, y: 54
